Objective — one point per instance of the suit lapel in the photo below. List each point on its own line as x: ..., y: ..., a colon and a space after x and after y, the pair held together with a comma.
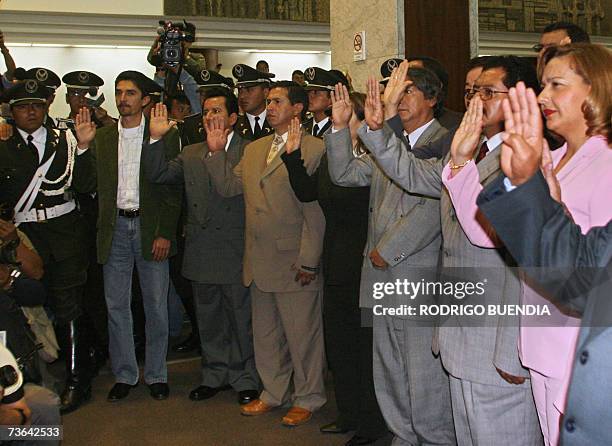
x: 489, y: 165
x: 112, y: 145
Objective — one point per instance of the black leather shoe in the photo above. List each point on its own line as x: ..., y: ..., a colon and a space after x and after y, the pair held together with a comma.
x: 333, y: 428
x: 204, y: 392
x: 246, y: 396
x: 119, y: 391
x: 159, y: 391
x: 356, y: 440
x: 190, y: 344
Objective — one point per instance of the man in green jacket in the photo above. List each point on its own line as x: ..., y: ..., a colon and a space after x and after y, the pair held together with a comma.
x: 136, y: 225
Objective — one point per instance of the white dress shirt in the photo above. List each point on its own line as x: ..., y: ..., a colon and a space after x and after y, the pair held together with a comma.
x: 414, y: 136
x: 39, y: 141
x: 251, y: 118
x: 128, y: 162
x: 319, y: 124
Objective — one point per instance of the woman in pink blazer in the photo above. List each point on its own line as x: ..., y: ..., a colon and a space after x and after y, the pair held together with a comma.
x: 577, y: 102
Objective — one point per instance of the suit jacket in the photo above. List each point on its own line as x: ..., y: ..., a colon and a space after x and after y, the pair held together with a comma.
x: 214, y: 228
x: 243, y: 128
x: 471, y: 348
x: 160, y: 206
x: 281, y: 231
x: 577, y: 270
x: 60, y: 237
x: 403, y: 227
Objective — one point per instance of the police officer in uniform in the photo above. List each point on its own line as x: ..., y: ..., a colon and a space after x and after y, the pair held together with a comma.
x: 319, y: 84
x: 192, y: 131
x: 38, y: 163
x: 50, y: 80
x: 253, y: 87
x: 78, y: 85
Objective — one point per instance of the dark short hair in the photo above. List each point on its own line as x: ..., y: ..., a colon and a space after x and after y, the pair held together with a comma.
x: 477, y: 62
x: 434, y: 65
x: 179, y: 97
x: 428, y: 83
x: 262, y: 61
x: 295, y: 93
x: 298, y: 72
x: 516, y: 69
x: 137, y: 78
x: 574, y: 32
x: 190, y: 28
x: 231, y: 103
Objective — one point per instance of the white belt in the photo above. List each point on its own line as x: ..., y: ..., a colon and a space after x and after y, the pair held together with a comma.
x: 45, y: 213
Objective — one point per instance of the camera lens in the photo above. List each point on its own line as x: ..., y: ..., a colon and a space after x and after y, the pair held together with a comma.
x: 8, y: 376
x: 171, y: 54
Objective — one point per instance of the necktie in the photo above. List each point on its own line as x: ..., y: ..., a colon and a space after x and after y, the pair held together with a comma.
x: 276, y: 145
x: 257, y: 129
x: 315, y: 130
x: 32, y: 147
x: 482, y: 152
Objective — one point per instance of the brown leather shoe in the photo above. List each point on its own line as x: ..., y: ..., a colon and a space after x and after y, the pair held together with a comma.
x: 297, y: 416
x: 254, y: 408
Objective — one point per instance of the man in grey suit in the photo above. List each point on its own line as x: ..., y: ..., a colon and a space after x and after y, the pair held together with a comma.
x: 214, y: 245
x: 283, y: 246
x: 403, y: 242
x: 491, y: 399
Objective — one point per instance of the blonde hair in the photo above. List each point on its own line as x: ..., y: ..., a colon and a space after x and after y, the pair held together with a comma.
x: 594, y: 64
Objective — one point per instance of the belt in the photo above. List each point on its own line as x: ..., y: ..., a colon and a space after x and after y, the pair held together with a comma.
x: 40, y: 215
x: 129, y: 213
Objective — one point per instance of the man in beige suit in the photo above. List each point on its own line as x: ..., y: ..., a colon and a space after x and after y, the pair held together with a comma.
x: 284, y: 240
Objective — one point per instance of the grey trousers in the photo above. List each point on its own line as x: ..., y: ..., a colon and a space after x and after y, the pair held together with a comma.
x: 226, y: 336
x: 487, y: 415
x: 411, y: 386
x: 289, y: 348
x: 44, y: 405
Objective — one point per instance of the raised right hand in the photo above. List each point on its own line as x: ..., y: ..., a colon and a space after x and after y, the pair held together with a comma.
x: 395, y: 89
x: 342, y: 109
x: 216, y: 133
x: 374, y: 115
x: 85, y: 128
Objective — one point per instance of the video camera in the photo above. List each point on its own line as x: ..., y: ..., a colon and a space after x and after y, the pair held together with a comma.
x: 171, y: 37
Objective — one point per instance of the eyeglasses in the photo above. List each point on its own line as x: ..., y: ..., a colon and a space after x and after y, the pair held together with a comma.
x: 485, y: 93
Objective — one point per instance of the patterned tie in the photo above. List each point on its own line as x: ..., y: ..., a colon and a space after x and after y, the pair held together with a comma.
x: 257, y: 130
x: 276, y: 145
x: 482, y: 152
x: 315, y: 130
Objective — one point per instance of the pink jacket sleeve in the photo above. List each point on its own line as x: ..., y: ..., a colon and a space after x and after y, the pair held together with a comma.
x: 463, y: 189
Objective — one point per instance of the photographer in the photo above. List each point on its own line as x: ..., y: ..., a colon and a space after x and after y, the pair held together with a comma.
x: 27, y: 404
x: 177, y: 67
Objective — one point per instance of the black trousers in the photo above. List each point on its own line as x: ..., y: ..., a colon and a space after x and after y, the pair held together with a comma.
x: 65, y: 280
x: 349, y: 354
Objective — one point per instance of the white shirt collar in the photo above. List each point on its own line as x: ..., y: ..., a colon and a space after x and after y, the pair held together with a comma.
x: 321, y: 123
x: 229, y: 140
x: 414, y: 136
x: 39, y: 135
x: 262, y: 118
x: 284, y: 136
x: 494, y: 142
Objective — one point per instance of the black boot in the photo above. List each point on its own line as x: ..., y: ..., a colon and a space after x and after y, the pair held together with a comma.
x: 78, y: 371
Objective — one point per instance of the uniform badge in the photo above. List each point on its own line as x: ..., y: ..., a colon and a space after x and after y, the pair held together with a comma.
x: 83, y: 77
x: 391, y: 65
x: 238, y: 71
x: 205, y: 74
x: 310, y: 74
x: 31, y: 86
x: 41, y: 75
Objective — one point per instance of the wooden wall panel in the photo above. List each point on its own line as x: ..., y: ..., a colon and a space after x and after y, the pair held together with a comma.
x: 440, y: 29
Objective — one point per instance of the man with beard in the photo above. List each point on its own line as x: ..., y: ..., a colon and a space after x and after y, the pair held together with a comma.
x: 136, y: 225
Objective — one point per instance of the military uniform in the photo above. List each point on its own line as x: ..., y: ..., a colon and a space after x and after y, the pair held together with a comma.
x: 318, y: 79
x: 42, y: 193
x: 249, y: 77
x: 50, y: 80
